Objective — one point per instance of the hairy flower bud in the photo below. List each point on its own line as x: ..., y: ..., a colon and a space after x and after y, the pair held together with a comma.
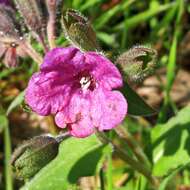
x: 33, y: 155
x: 32, y: 14
x: 138, y: 63
x: 10, y: 58
x: 8, y: 27
x: 79, y: 31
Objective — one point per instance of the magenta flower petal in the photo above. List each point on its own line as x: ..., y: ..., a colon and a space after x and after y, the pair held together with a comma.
x: 108, y: 109
x: 76, y: 116
x: 101, y: 109
x: 105, y: 71
x: 71, y: 59
x: 46, y: 94
x: 77, y: 88
x: 78, y: 106
x: 58, y: 58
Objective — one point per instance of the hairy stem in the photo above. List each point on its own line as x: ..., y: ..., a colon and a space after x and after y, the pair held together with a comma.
x: 102, y: 180
x: 127, y: 158
x: 51, y: 6
x: 124, y: 135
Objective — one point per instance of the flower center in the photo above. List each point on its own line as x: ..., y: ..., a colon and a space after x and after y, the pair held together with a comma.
x: 87, y: 82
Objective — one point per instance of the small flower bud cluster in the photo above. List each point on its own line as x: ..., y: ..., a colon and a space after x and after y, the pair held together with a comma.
x: 138, y: 63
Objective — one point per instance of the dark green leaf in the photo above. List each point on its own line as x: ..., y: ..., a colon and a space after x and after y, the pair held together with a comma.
x: 3, y: 122
x: 167, y: 179
x: 33, y: 155
x: 76, y: 158
x: 136, y: 105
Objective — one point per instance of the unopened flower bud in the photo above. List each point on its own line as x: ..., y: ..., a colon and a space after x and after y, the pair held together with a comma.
x: 10, y: 53
x: 138, y: 63
x: 32, y: 14
x: 79, y: 31
x: 33, y: 155
x: 8, y: 27
x: 10, y: 58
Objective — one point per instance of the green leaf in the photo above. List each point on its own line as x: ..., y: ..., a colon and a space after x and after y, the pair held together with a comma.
x: 89, y: 4
x: 16, y: 102
x: 171, y: 66
x: 167, y: 179
x: 107, y: 38
x: 3, y: 122
x: 105, y: 17
x: 78, y: 30
x: 136, y: 105
x: 171, y: 143
x: 141, y: 183
x: 76, y: 158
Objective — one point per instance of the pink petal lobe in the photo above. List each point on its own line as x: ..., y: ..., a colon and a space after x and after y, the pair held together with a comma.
x: 57, y: 57
x: 47, y: 93
x: 77, y: 116
x: 68, y: 59
x: 108, y: 109
x: 101, y: 109
x: 104, y: 71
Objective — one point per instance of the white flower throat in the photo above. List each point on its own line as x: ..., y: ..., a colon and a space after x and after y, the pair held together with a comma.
x: 85, y: 82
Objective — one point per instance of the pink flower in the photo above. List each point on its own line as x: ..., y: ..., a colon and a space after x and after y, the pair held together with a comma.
x: 78, y: 88
x: 9, y: 54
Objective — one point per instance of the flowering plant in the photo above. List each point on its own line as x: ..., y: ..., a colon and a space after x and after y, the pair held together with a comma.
x: 85, y: 90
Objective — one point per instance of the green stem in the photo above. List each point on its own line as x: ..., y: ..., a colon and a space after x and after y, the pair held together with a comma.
x: 109, y: 168
x: 125, y: 136
x: 109, y: 173
x: 127, y: 158
x: 7, y: 150
x: 102, y: 180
